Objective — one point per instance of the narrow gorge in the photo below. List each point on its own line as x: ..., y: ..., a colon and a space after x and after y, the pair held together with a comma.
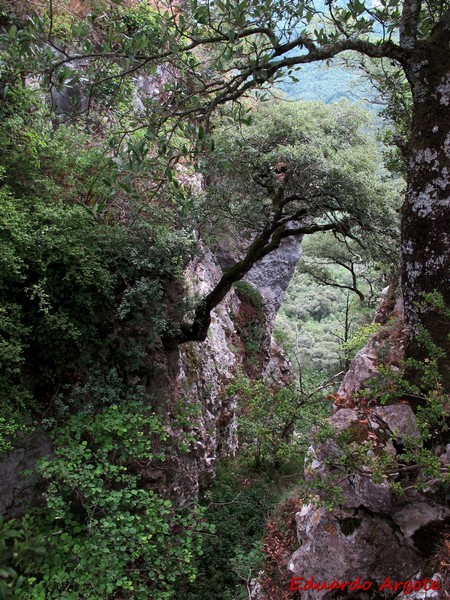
x: 225, y: 315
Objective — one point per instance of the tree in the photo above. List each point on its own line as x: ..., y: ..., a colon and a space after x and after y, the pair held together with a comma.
x: 293, y: 170
x: 362, y: 266
x: 226, y: 48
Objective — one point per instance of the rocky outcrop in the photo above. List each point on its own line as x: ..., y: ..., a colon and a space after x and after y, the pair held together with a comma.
x: 372, y: 533
x: 386, y: 346
x: 355, y: 544
x: 272, y: 274
x: 197, y: 374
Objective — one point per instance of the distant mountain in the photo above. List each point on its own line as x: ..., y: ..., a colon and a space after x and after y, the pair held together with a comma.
x: 329, y: 84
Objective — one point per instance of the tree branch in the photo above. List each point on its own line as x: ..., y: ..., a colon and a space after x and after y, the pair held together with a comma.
x: 265, y: 243
x: 342, y: 286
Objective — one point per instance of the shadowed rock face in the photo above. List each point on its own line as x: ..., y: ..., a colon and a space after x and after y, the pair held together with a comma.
x: 19, y: 482
x: 271, y: 275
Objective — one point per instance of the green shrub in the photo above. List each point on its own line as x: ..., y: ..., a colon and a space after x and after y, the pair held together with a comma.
x: 56, y: 292
x: 359, y: 339
x: 249, y: 294
x: 19, y: 546
x: 108, y: 533
x: 238, y: 503
x: 274, y: 423
x: 144, y: 20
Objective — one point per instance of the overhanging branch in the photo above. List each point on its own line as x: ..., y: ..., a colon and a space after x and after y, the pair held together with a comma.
x: 265, y: 243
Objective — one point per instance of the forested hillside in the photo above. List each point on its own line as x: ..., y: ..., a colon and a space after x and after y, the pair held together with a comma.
x: 190, y: 263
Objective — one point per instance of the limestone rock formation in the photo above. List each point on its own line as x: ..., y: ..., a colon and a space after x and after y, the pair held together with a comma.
x: 349, y: 543
x: 271, y: 275
x: 198, y: 373
x: 372, y: 533
x: 387, y: 344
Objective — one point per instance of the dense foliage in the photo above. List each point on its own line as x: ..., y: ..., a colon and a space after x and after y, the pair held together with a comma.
x: 125, y: 140
x: 237, y: 504
x: 102, y: 533
x: 319, y: 162
x: 72, y: 283
x: 83, y: 298
x: 117, y: 535
x: 274, y: 422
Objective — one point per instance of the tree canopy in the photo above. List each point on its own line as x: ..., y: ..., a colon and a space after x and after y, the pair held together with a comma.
x: 206, y: 57
x: 293, y: 170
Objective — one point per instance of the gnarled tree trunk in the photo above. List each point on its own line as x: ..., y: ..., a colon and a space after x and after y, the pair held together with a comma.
x: 426, y: 210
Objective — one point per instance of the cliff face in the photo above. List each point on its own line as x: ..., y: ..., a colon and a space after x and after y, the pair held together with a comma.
x: 271, y: 275
x: 189, y: 384
x: 197, y: 374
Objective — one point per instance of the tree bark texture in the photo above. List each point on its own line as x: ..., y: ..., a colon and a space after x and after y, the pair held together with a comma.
x: 426, y: 211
